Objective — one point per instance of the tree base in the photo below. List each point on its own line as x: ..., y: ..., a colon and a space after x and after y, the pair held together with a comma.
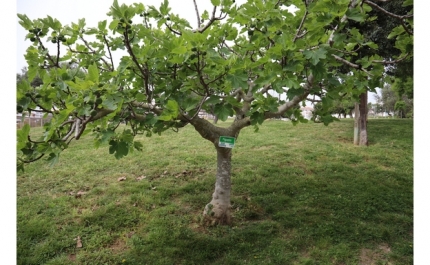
x: 213, y: 216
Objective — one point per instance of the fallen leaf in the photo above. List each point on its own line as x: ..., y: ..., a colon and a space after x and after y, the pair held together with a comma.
x: 140, y: 178
x: 122, y: 178
x: 78, y: 242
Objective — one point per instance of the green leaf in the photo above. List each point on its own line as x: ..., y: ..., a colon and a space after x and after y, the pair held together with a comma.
x: 372, y: 45
x: 205, y: 15
x: 115, y: 10
x: 114, y: 24
x: 112, y: 147
x: 213, y: 100
x: 216, y: 2
x: 127, y: 136
x: 223, y: 111
x: 105, y: 136
x: 238, y: 80
x: 25, y: 21
x: 315, y: 55
x: 121, y: 150
x: 355, y: 15
x: 22, y: 136
x: 102, y: 25
x: 257, y: 118
x: 396, y: 31
x: 112, y: 101
x: 93, y: 73
x: 408, y: 2
x: 170, y: 112
x: 164, y: 8
x: 180, y: 50
x: 53, y: 158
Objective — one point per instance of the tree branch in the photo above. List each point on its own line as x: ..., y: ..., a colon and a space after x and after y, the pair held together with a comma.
x: 296, y: 100
x: 197, y: 13
x: 110, y: 54
x: 172, y: 30
x: 401, y: 18
x: 142, y: 71
x: 353, y: 65
x: 297, y: 36
x: 391, y: 62
x: 211, y: 21
x: 32, y: 160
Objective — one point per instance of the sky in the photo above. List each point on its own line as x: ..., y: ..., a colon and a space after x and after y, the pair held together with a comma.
x: 95, y: 10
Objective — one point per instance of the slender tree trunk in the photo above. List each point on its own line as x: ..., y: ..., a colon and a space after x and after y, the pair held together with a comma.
x: 363, y: 119
x: 356, y: 124
x: 218, y: 210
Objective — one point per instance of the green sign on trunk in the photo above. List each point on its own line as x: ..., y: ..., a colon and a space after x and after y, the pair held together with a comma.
x: 226, y: 141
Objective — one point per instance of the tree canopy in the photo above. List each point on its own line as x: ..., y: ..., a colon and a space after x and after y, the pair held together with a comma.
x: 230, y: 63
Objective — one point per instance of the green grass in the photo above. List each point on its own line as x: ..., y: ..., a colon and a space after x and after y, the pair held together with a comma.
x: 301, y: 195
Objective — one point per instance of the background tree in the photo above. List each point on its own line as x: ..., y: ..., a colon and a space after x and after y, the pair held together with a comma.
x: 231, y: 61
x: 383, y: 30
x: 391, y: 101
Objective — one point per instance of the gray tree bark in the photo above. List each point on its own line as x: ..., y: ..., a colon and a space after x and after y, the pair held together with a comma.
x: 360, y: 121
x: 356, y: 124
x: 218, y: 210
x: 363, y: 119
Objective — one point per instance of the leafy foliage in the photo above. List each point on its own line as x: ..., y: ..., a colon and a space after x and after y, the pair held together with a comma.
x: 227, y: 66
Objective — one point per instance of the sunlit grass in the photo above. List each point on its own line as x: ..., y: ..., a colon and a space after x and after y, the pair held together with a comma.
x: 301, y: 195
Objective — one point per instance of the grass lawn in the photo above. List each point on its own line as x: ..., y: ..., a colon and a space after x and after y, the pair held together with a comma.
x: 300, y: 195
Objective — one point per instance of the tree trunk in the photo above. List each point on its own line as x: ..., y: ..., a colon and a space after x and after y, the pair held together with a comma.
x: 363, y: 119
x: 356, y: 124
x: 218, y: 210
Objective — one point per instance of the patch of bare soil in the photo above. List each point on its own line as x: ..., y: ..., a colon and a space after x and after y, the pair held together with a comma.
x: 72, y: 257
x: 119, y: 245
x: 373, y: 256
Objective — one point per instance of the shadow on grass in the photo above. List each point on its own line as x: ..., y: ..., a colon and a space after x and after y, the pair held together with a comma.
x: 327, y: 218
